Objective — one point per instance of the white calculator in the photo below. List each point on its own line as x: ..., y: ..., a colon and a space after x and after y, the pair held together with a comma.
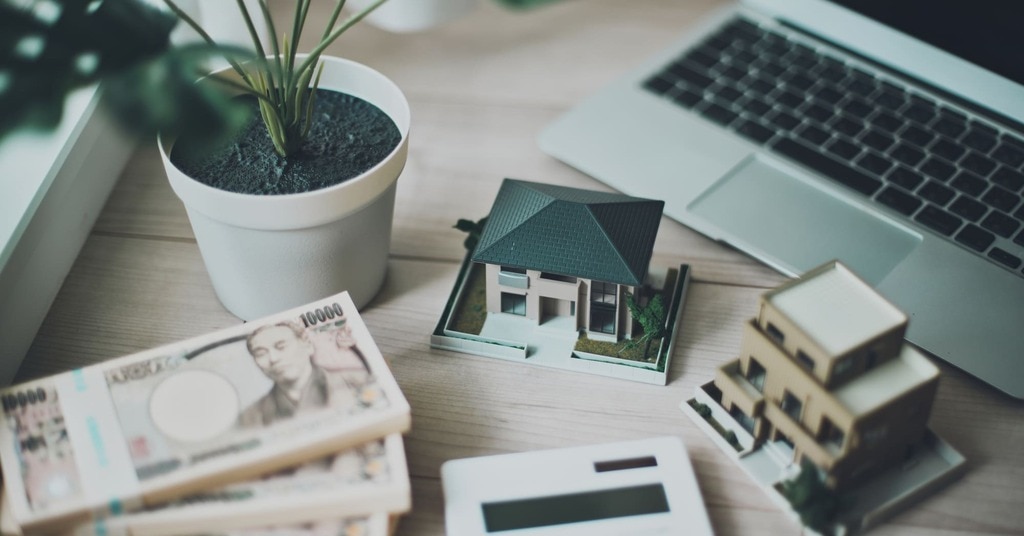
x: 631, y: 488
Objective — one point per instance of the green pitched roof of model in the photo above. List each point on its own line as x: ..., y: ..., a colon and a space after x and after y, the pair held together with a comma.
x: 568, y: 231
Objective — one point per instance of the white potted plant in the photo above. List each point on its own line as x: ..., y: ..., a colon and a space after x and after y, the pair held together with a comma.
x: 271, y: 244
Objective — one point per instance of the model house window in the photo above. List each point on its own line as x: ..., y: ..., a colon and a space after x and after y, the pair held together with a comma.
x: 513, y: 303
x: 558, y: 277
x: 805, y: 361
x: 876, y: 435
x: 871, y: 360
x: 755, y: 375
x: 779, y: 436
x: 842, y: 367
x: 513, y: 277
x: 792, y: 405
x: 775, y: 334
x: 830, y: 435
x: 745, y: 420
x: 603, y: 297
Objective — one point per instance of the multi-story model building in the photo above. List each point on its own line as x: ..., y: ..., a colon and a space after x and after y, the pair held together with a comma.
x: 824, y: 375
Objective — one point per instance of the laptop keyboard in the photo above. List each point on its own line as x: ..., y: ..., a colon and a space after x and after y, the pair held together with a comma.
x: 959, y: 176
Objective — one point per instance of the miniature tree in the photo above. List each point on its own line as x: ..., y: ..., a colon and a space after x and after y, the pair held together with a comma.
x: 816, y: 503
x: 473, y: 228
x: 651, y: 318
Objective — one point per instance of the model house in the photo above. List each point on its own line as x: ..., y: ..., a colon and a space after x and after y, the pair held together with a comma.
x: 824, y: 375
x: 557, y: 251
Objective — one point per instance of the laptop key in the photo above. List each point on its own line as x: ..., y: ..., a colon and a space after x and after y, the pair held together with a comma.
x: 756, y: 106
x: 832, y: 169
x: 705, y: 56
x: 848, y: 126
x: 692, y: 77
x: 968, y: 183
x: 789, y: 99
x: 1000, y: 224
x: 813, y: 135
x: 718, y: 113
x: 887, y: 121
x: 949, y: 127
x: 843, y: 149
x: 979, y: 139
x: 907, y: 154
x: 874, y: 163
x: 1009, y: 179
x: 975, y: 237
x: 898, y: 200
x: 968, y: 208
x: 877, y: 140
x: 731, y: 73
x: 828, y: 95
x: 783, y: 120
x: 917, y: 135
x: 1005, y: 257
x: 936, y: 193
x: 659, y: 85
x: 819, y: 113
x: 938, y: 168
x: 1001, y: 198
x: 938, y: 220
x: 948, y: 150
x: 890, y: 99
x: 1008, y: 154
x: 978, y: 164
x: 726, y: 94
x: 754, y: 131
x: 687, y: 98
x: 907, y: 178
x: 1019, y: 239
x: 761, y: 87
x: 856, y: 107
x: 920, y: 110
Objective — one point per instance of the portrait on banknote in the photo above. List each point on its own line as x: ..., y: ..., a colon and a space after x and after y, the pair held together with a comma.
x: 310, y: 370
x: 215, y: 400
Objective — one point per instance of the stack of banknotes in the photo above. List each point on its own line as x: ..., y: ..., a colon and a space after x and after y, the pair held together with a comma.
x: 290, y: 425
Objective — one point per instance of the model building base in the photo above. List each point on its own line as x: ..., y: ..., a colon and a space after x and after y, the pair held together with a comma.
x: 933, y: 464
x: 554, y: 341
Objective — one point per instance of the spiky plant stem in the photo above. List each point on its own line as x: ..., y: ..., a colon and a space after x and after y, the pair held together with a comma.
x: 286, y: 93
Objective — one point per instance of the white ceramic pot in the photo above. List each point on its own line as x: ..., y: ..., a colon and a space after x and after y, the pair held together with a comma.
x: 268, y: 253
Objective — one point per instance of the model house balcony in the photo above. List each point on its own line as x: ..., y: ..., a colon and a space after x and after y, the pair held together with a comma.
x: 738, y: 389
x: 514, y: 279
x: 803, y: 440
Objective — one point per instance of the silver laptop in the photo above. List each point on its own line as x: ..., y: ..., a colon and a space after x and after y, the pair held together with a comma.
x: 885, y: 134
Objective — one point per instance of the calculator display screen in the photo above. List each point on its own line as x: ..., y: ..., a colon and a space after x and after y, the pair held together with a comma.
x: 575, y: 507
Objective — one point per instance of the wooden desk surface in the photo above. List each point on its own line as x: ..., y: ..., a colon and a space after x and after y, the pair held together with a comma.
x: 481, y: 88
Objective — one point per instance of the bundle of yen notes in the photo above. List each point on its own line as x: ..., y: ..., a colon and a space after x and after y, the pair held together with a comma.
x: 290, y: 425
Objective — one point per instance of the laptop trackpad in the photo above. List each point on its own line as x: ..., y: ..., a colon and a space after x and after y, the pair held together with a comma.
x: 795, y: 226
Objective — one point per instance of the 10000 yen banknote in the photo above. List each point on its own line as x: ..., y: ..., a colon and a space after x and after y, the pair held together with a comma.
x: 149, y: 427
x: 362, y: 480
x: 377, y: 524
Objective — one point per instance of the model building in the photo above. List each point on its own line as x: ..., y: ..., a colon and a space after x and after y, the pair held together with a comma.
x: 553, y: 251
x: 824, y: 377
x: 560, y: 264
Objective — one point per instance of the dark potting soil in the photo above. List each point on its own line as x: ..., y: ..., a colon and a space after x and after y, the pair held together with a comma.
x: 348, y: 137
